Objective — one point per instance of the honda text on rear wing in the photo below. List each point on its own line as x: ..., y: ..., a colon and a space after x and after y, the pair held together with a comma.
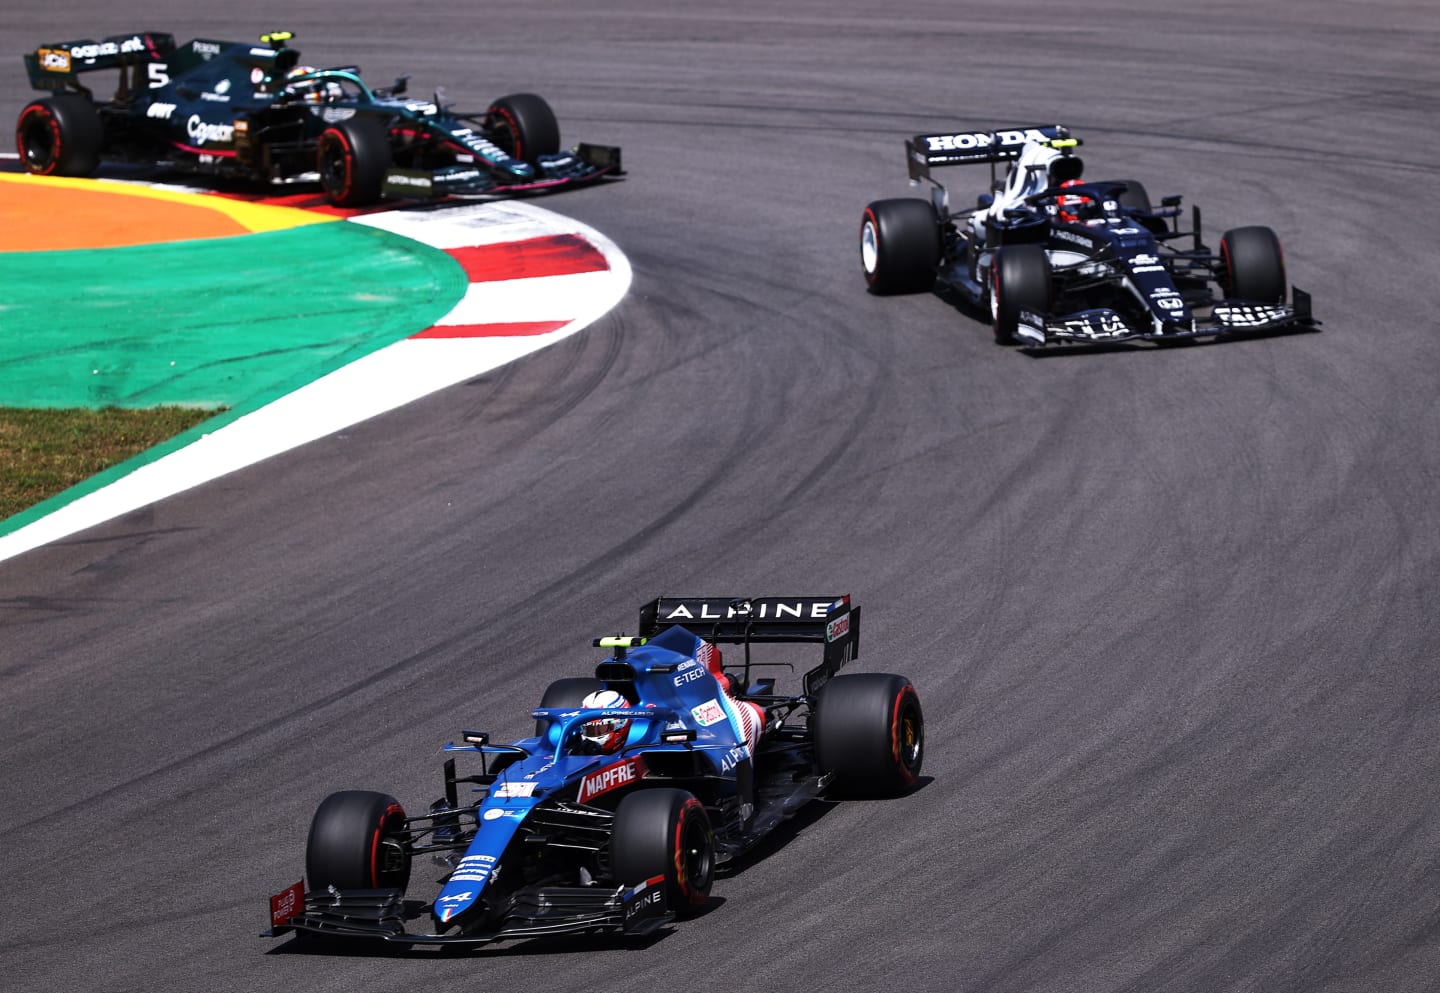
x: 925, y: 151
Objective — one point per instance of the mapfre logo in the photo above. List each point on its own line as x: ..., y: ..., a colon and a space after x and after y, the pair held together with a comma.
x: 612, y: 777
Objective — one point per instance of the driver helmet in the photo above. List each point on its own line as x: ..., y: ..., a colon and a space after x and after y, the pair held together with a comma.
x: 316, y: 91
x: 1075, y: 202
x: 605, y: 734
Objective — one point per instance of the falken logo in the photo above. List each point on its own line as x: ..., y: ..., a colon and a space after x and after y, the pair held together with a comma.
x: 708, y: 713
x: 973, y: 140
x: 162, y: 111
x: 611, y: 777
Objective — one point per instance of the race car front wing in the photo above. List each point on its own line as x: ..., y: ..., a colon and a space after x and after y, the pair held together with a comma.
x: 533, y: 912
x: 1104, y: 325
x: 587, y: 163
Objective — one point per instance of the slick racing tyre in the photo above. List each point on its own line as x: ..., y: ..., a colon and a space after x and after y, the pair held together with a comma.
x: 869, y: 731
x: 1134, y: 195
x: 524, y: 126
x: 1252, y: 265
x: 352, y: 159
x: 665, y: 832
x: 569, y: 692
x: 899, y: 245
x: 358, y: 842
x: 1019, y: 280
x: 60, y: 136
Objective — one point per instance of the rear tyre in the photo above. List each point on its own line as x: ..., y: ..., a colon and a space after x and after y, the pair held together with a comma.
x: 870, y: 732
x: 1019, y: 280
x: 1134, y: 195
x: 524, y: 126
x: 358, y: 842
x: 570, y: 692
x: 1253, y: 265
x: 60, y: 136
x: 352, y: 159
x: 665, y: 832
x: 899, y: 245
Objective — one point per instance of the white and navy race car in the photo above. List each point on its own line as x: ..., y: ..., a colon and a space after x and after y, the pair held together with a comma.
x: 1056, y: 258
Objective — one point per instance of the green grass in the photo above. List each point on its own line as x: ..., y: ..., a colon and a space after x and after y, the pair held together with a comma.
x: 44, y: 452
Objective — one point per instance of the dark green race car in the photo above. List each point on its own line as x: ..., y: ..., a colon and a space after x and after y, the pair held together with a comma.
x: 235, y: 109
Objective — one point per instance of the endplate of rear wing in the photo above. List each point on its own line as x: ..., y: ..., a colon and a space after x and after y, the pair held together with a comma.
x: 831, y: 620
x: 925, y: 151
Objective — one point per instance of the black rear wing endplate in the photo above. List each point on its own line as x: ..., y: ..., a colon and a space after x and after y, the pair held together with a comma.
x: 829, y: 620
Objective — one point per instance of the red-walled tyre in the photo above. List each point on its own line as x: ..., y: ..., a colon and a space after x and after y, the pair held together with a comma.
x: 870, y: 732
x: 352, y: 158
x: 665, y: 832
x: 1253, y: 266
x: 358, y: 841
x: 60, y: 136
x: 524, y: 126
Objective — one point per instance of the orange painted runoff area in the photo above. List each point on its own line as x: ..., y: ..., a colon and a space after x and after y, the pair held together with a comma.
x: 40, y: 213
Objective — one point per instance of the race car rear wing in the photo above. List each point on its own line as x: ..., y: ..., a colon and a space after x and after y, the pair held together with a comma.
x: 831, y: 620
x: 56, y: 66
x: 925, y: 151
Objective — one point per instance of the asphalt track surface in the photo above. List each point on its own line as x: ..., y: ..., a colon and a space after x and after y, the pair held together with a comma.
x: 1171, y: 612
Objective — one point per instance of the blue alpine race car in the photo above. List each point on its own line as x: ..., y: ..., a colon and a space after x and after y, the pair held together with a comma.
x: 638, y: 783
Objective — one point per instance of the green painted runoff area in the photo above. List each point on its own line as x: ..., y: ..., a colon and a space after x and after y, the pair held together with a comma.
x: 221, y: 322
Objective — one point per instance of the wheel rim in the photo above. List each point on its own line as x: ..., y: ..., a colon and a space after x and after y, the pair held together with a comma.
x: 38, y: 140
x: 695, y: 860
x: 334, y: 166
x: 910, y: 740
x: 995, y: 289
x: 869, y: 247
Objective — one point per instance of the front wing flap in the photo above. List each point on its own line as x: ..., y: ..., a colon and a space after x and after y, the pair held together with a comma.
x: 585, y: 164
x: 1227, y: 317
x: 534, y: 912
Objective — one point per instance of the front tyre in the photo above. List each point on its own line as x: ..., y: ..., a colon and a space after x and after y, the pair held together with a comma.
x: 665, y: 832
x: 568, y: 692
x: 60, y: 136
x: 352, y: 158
x: 870, y: 732
x: 524, y: 127
x: 1252, y: 265
x: 1019, y: 280
x: 358, y: 841
x: 899, y: 245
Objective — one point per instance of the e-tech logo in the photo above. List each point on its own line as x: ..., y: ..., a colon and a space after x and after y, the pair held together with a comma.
x: 689, y: 676
x: 976, y: 140
x: 611, y: 777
